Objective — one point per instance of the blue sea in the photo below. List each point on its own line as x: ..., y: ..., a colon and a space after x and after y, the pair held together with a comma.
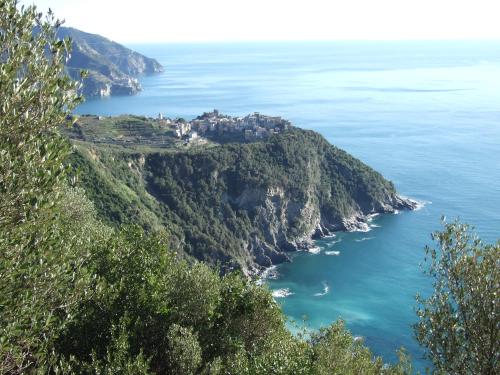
x: 424, y: 114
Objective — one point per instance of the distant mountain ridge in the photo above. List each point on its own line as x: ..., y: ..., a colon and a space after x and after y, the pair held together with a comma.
x: 112, y: 68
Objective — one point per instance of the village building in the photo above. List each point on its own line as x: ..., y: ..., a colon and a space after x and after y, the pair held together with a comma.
x: 182, y: 129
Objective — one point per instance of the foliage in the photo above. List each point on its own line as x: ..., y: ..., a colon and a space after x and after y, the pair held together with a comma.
x: 152, y: 310
x: 336, y: 352
x: 460, y: 322
x: 117, y: 361
x: 36, y: 98
x: 213, y: 199
x: 185, y: 351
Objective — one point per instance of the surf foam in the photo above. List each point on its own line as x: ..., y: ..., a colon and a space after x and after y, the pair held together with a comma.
x: 314, y: 250
x: 282, y: 293
x: 326, y: 289
x: 364, y: 239
x: 332, y: 252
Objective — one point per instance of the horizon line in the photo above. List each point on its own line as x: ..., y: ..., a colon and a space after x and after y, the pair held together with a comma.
x: 252, y: 41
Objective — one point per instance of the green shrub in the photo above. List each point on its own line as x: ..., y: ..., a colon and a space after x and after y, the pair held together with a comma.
x: 459, y: 323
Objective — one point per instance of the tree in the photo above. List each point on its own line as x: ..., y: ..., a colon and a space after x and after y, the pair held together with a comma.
x: 337, y: 352
x: 184, y: 350
x: 36, y: 97
x: 459, y: 324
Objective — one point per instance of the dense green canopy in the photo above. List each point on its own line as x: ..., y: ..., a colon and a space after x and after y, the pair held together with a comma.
x: 220, y: 199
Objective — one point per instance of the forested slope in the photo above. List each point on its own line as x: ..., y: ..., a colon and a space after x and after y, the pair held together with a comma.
x: 241, y: 204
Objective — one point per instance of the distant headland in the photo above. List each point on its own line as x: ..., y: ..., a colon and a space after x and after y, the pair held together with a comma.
x: 112, y: 68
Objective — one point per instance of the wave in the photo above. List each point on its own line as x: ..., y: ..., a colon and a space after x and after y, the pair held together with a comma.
x: 314, y: 250
x: 332, y: 252
x: 359, y: 226
x: 364, y: 239
x: 369, y: 220
x: 282, y: 293
x: 270, y: 273
x: 421, y: 204
x: 326, y: 289
x: 330, y: 244
x: 363, y: 229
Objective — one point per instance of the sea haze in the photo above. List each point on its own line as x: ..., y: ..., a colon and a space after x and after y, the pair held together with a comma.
x: 424, y: 114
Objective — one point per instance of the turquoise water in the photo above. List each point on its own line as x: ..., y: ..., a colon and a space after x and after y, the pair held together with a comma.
x: 424, y: 114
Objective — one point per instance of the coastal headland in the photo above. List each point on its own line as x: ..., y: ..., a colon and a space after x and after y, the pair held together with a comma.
x: 240, y: 192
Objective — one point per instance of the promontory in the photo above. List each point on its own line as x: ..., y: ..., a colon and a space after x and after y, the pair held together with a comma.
x: 241, y: 192
x: 112, y: 68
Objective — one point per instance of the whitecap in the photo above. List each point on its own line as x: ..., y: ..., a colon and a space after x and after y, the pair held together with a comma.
x: 270, y: 273
x: 364, y: 239
x: 364, y: 228
x: 332, y: 252
x: 330, y: 244
x: 361, y: 227
x: 282, y: 293
x: 421, y: 204
x: 314, y: 250
x: 326, y: 289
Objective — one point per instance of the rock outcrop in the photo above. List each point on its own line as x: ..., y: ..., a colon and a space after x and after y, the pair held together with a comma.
x: 112, y: 68
x: 275, y: 213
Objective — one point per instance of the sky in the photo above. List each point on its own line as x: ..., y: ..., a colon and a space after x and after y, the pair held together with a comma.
x: 156, y: 21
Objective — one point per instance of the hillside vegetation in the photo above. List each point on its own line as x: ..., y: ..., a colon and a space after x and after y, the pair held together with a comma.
x: 239, y: 204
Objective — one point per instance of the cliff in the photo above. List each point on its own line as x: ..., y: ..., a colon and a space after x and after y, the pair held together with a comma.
x: 240, y: 204
x: 113, y: 69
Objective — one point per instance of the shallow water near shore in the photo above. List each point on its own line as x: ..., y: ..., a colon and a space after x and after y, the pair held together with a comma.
x: 424, y: 114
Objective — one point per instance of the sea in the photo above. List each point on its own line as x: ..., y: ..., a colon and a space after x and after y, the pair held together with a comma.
x: 424, y: 114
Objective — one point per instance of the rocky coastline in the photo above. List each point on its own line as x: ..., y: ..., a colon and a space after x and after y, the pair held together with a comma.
x: 245, y: 205
x: 112, y: 68
x: 358, y: 222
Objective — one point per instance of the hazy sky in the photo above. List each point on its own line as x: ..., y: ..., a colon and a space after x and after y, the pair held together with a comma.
x: 130, y: 21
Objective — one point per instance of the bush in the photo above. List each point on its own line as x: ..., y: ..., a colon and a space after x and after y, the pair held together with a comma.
x: 460, y: 322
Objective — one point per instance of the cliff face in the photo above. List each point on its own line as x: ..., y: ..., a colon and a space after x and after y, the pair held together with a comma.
x: 112, y: 67
x: 249, y: 205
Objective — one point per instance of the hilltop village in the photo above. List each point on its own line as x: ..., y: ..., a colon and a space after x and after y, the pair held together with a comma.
x: 164, y: 132
x: 251, y: 127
